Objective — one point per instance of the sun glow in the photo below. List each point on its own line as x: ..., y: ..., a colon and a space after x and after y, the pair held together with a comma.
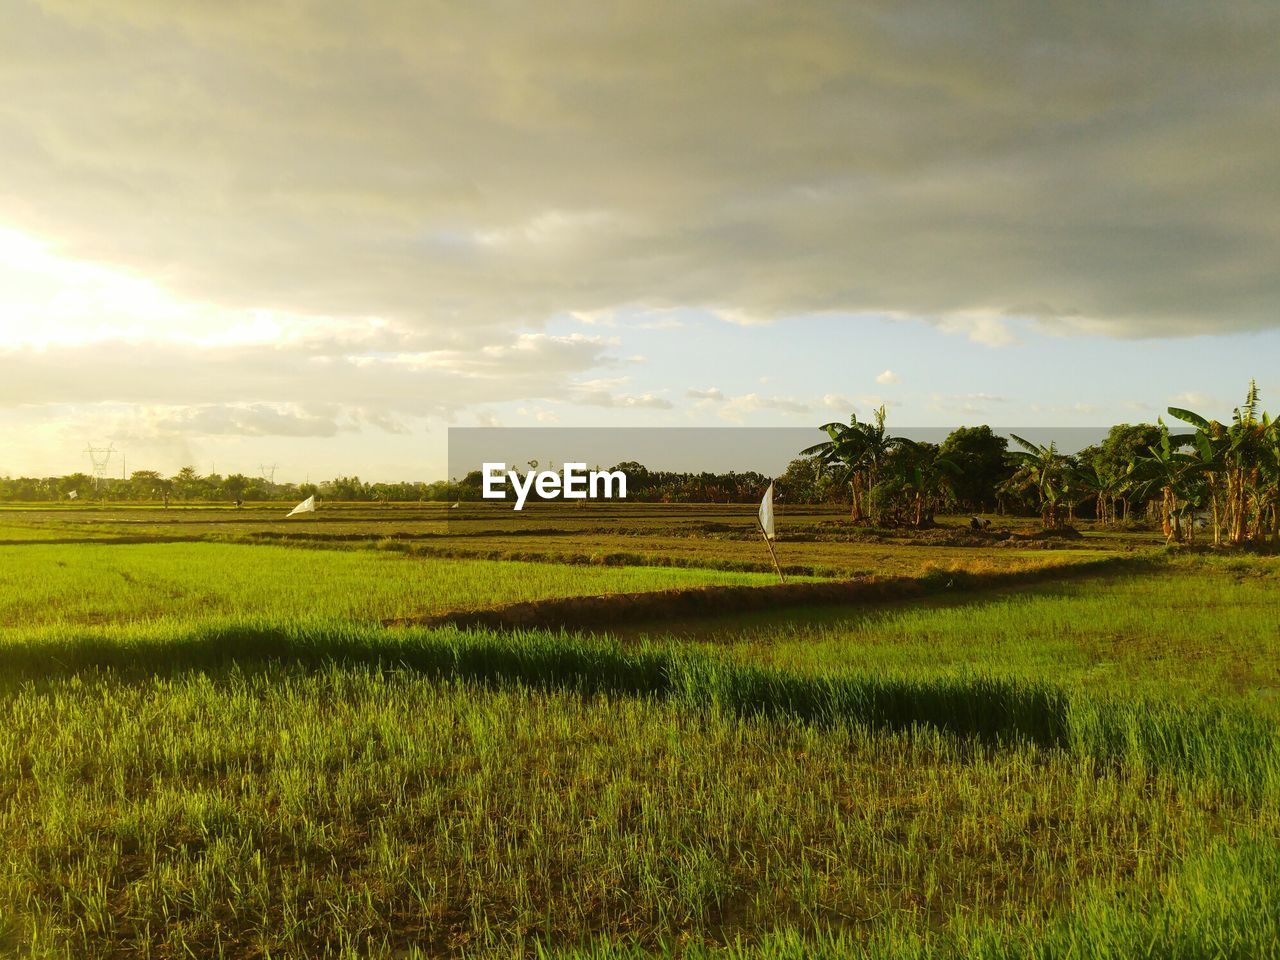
x: 48, y: 299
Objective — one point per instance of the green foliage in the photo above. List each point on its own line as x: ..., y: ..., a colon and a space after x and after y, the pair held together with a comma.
x: 861, y: 455
x: 1231, y: 470
x: 982, y: 466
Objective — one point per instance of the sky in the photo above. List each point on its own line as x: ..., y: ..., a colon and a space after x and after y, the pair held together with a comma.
x: 319, y: 234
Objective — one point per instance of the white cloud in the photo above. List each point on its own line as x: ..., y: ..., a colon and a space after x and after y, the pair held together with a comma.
x: 888, y: 377
x: 660, y: 322
x: 1193, y: 400
x: 738, y: 408
x: 834, y: 401
x: 991, y: 331
x: 711, y: 393
x: 967, y: 403
x: 741, y: 317
x: 603, y: 398
x: 255, y: 389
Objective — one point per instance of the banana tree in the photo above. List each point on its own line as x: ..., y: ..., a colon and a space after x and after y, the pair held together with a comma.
x: 1044, y: 469
x: 860, y: 452
x: 1086, y: 481
x: 1167, y: 470
x: 843, y: 455
x: 1232, y: 462
x: 927, y: 481
x: 1270, y: 486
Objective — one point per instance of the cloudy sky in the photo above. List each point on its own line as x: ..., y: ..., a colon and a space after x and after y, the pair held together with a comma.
x: 319, y: 234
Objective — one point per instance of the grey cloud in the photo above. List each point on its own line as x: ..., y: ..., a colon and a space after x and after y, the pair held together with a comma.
x: 1102, y: 168
x: 250, y: 420
x: 711, y: 393
x: 243, y: 389
x: 265, y: 420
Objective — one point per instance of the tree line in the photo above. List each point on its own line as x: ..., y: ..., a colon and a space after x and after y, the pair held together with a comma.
x: 1219, y: 477
x: 187, y: 485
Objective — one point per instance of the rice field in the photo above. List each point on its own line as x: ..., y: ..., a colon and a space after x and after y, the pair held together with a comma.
x: 1188, y: 628
x: 213, y: 749
x: 814, y: 541
x: 63, y: 585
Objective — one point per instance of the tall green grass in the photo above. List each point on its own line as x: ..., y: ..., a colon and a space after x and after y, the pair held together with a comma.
x: 353, y: 810
x: 1189, y: 629
x: 1222, y: 904
x: 1228, y: 745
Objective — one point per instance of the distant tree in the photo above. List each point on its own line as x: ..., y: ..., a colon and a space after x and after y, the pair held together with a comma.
x: 80, y: 483
x: 345, y: 488
x: 186, y: 483
x: 471, y: 486
x: 1239, y: 467
x: 929, y: 475
x: 145, y: 484
x: 982, y: 465
x: 1125, y: 443
x: 803, y: 481
x: 235, y: 485
x: 1089, y: 478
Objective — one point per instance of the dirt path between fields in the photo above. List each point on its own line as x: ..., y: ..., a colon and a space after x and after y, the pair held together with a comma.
x: 617, y: 609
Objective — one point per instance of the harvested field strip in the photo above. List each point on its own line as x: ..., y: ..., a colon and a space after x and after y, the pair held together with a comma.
x: 1228, y: 749
x: 605, y: 611
x: 101, y: 540
x: 611, y: 558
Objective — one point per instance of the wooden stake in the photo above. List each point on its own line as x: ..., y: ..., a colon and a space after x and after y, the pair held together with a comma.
x: 769, y: 543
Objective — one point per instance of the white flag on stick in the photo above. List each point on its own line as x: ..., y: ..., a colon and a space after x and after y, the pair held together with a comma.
x: 306, y: 506
x: 766, y: 514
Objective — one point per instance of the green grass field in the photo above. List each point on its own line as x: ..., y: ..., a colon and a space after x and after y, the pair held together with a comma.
x: 46, y: 585
x: 213, y: 749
